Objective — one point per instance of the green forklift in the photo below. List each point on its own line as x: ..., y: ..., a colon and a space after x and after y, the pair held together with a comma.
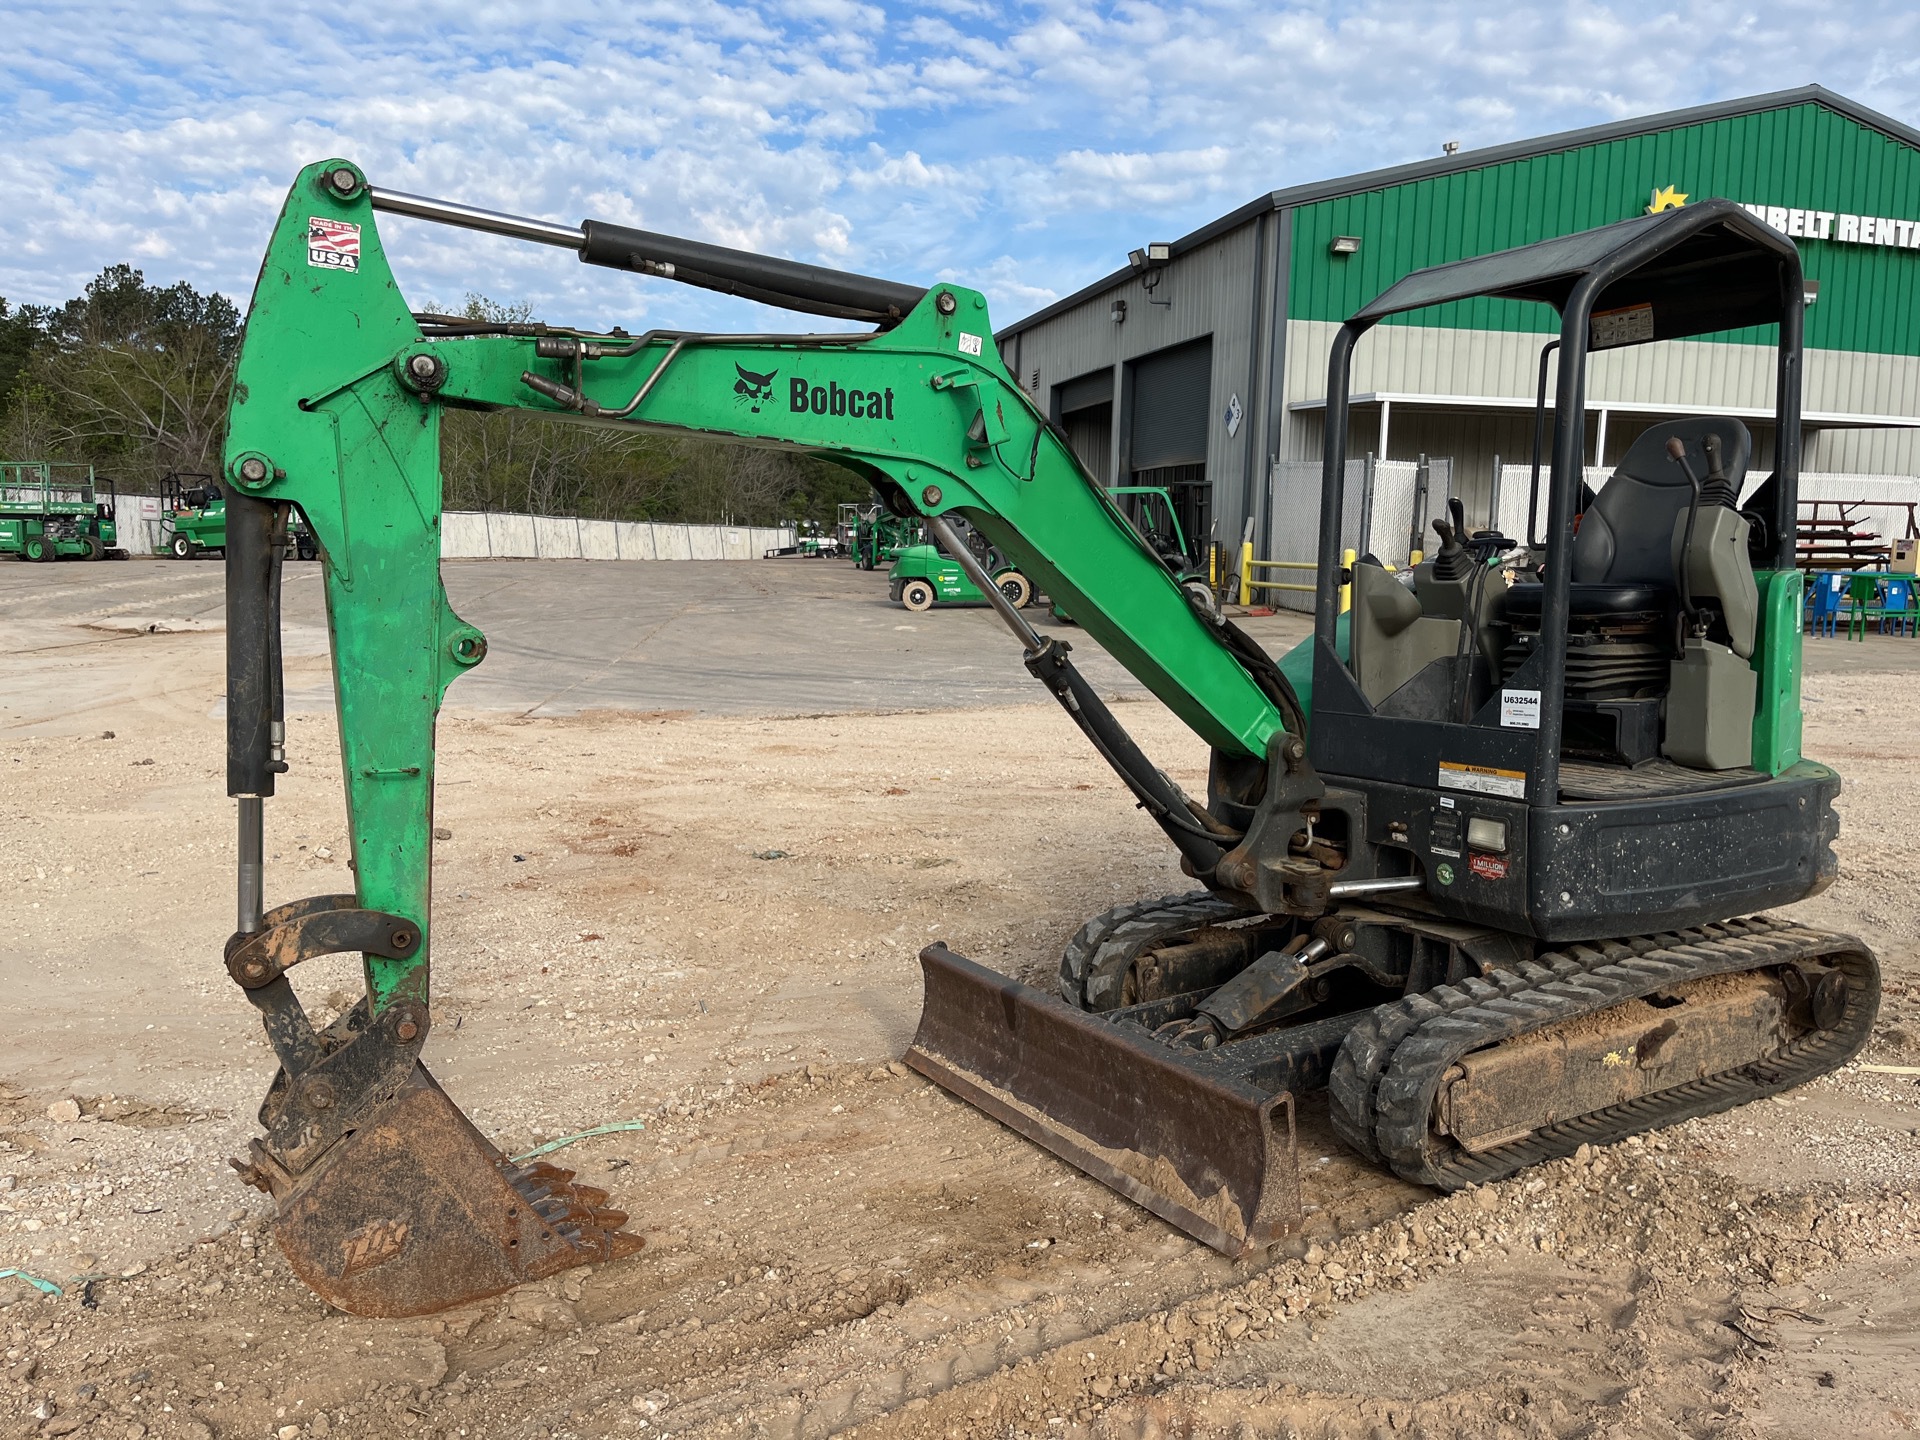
x: 1149, y: 510
x: 52, y: 511
x: 193, y: 519
x: 925, y: 575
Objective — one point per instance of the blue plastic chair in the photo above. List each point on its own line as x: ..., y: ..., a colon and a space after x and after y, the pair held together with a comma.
x: 1896, y: 606
x: 1824, y: 598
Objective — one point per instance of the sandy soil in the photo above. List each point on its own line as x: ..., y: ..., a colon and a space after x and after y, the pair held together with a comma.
x: 834, y: 1245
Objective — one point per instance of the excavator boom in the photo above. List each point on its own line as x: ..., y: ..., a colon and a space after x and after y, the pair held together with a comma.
x: 390, y: 1201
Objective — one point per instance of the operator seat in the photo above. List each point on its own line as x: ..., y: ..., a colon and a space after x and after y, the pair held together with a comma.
x: 1627, y: 534
x: 1630, y: 557
x: 1626, y: 555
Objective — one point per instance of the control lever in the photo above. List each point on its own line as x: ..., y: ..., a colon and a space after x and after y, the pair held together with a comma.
x: 1677, y: 450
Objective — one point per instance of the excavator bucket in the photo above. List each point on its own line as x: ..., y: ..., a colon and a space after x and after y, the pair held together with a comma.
x: 414, y: 1211
x: 1170, y: 1130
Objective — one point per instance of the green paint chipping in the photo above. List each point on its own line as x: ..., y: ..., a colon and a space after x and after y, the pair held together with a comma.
x: 1802, y: 155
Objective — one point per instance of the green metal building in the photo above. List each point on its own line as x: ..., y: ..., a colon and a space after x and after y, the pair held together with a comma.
x: 1202, y: 363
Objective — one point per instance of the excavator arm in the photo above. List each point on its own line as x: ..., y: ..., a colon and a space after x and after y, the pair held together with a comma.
x: 390, y: 1201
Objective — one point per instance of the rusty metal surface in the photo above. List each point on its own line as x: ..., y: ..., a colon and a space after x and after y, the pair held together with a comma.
x: 322, y: 926
x: 415, y: 1212
x: 1198, y: 1147
x: 1614, y: 1056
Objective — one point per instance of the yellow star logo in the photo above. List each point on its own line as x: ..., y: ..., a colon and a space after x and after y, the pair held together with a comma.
x: 1665, y: 198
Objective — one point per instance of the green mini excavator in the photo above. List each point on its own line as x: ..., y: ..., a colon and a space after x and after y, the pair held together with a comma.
x: 1492, y: 891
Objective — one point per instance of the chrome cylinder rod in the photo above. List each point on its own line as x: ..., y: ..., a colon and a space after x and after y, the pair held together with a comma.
x: 1347, y: 889
x: 942, y: 530
x: 252, y: 867
x: 471, y: 217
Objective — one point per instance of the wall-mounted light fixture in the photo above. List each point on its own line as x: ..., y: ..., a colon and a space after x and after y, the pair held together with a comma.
x: 1811, y: 290
x: 1150, y: 261
x: 1119, y: 312
x: 1345, y: 245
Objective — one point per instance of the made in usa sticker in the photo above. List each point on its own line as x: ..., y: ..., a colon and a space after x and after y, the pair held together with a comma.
x: 333, y: 244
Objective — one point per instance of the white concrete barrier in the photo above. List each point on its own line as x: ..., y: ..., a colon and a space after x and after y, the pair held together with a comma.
x: 463, y: 533
x: 599, y: 540
x: 467, y: 535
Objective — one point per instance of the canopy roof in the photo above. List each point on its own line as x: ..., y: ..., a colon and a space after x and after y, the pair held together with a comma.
x: 1690, y: 271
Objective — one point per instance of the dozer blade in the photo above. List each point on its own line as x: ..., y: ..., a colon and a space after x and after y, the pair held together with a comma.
x: 414, y: 1211
x: 1205, y: 1151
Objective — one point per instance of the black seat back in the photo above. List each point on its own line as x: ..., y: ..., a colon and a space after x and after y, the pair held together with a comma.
x: 1626, y: 535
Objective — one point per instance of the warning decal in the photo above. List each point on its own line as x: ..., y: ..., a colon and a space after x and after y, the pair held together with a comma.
x: 1483, y: 779
x: 1629, y: 325
x: 333, y: 244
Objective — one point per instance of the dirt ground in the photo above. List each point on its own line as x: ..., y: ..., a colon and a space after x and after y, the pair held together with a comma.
x: 708, y: 925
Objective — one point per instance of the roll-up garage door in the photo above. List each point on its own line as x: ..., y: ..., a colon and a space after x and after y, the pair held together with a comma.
x: 1084, y: 407
x: 1085, y: 391
x: 1171, y: 402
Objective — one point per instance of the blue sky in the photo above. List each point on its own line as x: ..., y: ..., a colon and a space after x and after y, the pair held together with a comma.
x: 1020, y: 148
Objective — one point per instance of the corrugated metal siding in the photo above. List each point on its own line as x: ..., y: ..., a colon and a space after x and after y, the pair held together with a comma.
x: 1672, y: 374
x: 1212, y: 293
x: 1881, y: 452
x: 1803, y: 155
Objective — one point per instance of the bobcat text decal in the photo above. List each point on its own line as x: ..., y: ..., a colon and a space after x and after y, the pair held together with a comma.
x: 831, y: 399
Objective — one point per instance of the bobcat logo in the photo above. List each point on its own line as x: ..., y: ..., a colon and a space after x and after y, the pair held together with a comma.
x: 753, y: 388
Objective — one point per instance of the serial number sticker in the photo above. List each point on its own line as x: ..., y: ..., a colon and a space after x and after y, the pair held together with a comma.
x: 1483, y: 779
x: 333, y: 244
x: 1629, y: 325
x: 970, y: 344
x: 1520, y: 709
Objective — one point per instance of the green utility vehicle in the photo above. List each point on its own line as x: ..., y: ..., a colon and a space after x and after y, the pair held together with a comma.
x: 1482, y: 863
x: 925, y: 576
x: 50, y: 510
x: 193, y: 520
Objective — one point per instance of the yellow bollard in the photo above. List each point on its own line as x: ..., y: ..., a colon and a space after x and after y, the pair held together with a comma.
x: 1246, y: 573
x: 1347, y: 557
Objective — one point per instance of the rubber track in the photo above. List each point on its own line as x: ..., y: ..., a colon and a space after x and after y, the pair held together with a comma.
x: 1096, y: 959
x: 1390, y: 1071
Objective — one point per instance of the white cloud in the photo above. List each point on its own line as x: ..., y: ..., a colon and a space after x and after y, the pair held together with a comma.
x: 1021, y: 147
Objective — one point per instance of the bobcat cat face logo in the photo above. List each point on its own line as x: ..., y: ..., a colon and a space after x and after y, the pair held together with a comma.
x: 753, y: 388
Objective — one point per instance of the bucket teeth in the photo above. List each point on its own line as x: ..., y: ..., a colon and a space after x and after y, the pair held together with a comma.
x: 414, y: 1211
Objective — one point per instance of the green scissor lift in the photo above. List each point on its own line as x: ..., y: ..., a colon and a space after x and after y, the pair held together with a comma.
x: 49, y: 511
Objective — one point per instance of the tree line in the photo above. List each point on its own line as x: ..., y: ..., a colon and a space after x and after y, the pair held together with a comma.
x: 133, y: 378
